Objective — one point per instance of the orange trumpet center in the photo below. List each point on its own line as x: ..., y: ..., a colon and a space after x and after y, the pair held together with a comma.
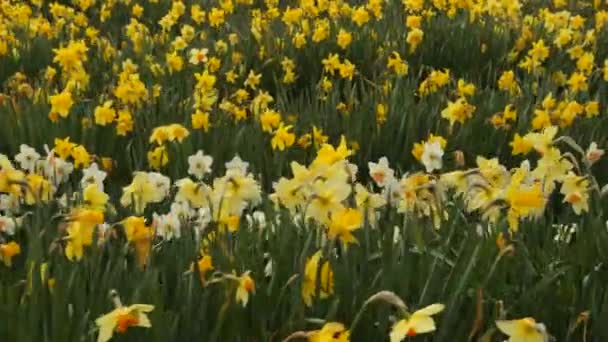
x: 123, y: 322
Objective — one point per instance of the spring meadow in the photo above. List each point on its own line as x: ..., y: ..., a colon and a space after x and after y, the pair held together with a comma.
x: 303, y: 170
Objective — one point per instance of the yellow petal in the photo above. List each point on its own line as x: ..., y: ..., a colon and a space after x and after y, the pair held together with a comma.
x: 143, y: 320
x: 242, y: 296
x: 399, y: 330
x: 141, y: 307
x: 430, y: 310
x: 107, y: 319
x: 105, y: 333
x: 106, y: 324
x: 422, y: 324
x: 509, y: 328
x: 333, y: 328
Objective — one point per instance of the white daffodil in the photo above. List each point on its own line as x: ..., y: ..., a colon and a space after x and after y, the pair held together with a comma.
x: 199, y: 164
x: 93, y: 175
x: 380, y: 172
x: 27, y: 157
x: 432, y: 156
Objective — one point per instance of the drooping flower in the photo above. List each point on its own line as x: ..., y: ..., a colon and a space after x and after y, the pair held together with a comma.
x: 330, y: 332
x: 140, y: 235
x: 593, y: 153
x: 575, y: 191
x: 523, y: 330
x: 420, y: 322
x: 245, y: 288
x: 121, y: 319
x: 309, y: 283
x: 80, y: 229
x: 8, y: 251
x: 140, y: 192
x: 204, y: 264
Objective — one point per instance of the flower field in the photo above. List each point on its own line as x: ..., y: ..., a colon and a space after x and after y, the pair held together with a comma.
x: 304, y: 170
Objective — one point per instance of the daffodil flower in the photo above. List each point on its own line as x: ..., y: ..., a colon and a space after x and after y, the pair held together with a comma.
x: 523, y: 330
x: 122, y: 318
x: 330, y: 332
x: 420, y: 322
x: 246, y: 286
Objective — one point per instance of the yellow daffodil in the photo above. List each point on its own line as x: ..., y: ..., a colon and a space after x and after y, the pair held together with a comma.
x: 204, y: 264
x: 309, y: 283
x: 38, y: 189
x: 420, y: 322
x: 328, y: 155
x: 330, y: 332
x: 342, y: 223
x: 61, y: 103
x: 523, y: 330
x: 245, y: 288
x: 94, y: 198
x: 576, y: 192
x: 121, y: 319
x: 282, y: 138
x: 8, y: 252
x: 140, y: 235
x: 80, y: 231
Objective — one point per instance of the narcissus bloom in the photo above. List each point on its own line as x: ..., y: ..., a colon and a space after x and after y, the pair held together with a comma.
x: 523, y: 330
x: 81, y: 156
x: 27, y: 157
x: 458, y: 111
x: 199, y: 164
x: 246, y: 287
x: 204, y: 264
x: 140, y: 235
x: 38, y: 189
x: 343, y: 223
x: 121, y: 319
x: 105, y: 114
x: 158, y: 157
x: 432, y: 156
x: 282, y: 138
x: 200, y: 120
x: 61, y: 103
x: 94, y: 198
x: 328, y: 155
x: 420, y: 322
x: 380, y: 172
x: 8, y: 251
x: 330, y: 332
x: 520, y: 145
x: 344, y: 38
x: 63, y: 147
x: 309, y: 284
x: 575, y: 191
x: 593, y: 153
x: 80, y: 231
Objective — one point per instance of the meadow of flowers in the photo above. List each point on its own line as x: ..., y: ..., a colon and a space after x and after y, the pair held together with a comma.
x: 303, y: 170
